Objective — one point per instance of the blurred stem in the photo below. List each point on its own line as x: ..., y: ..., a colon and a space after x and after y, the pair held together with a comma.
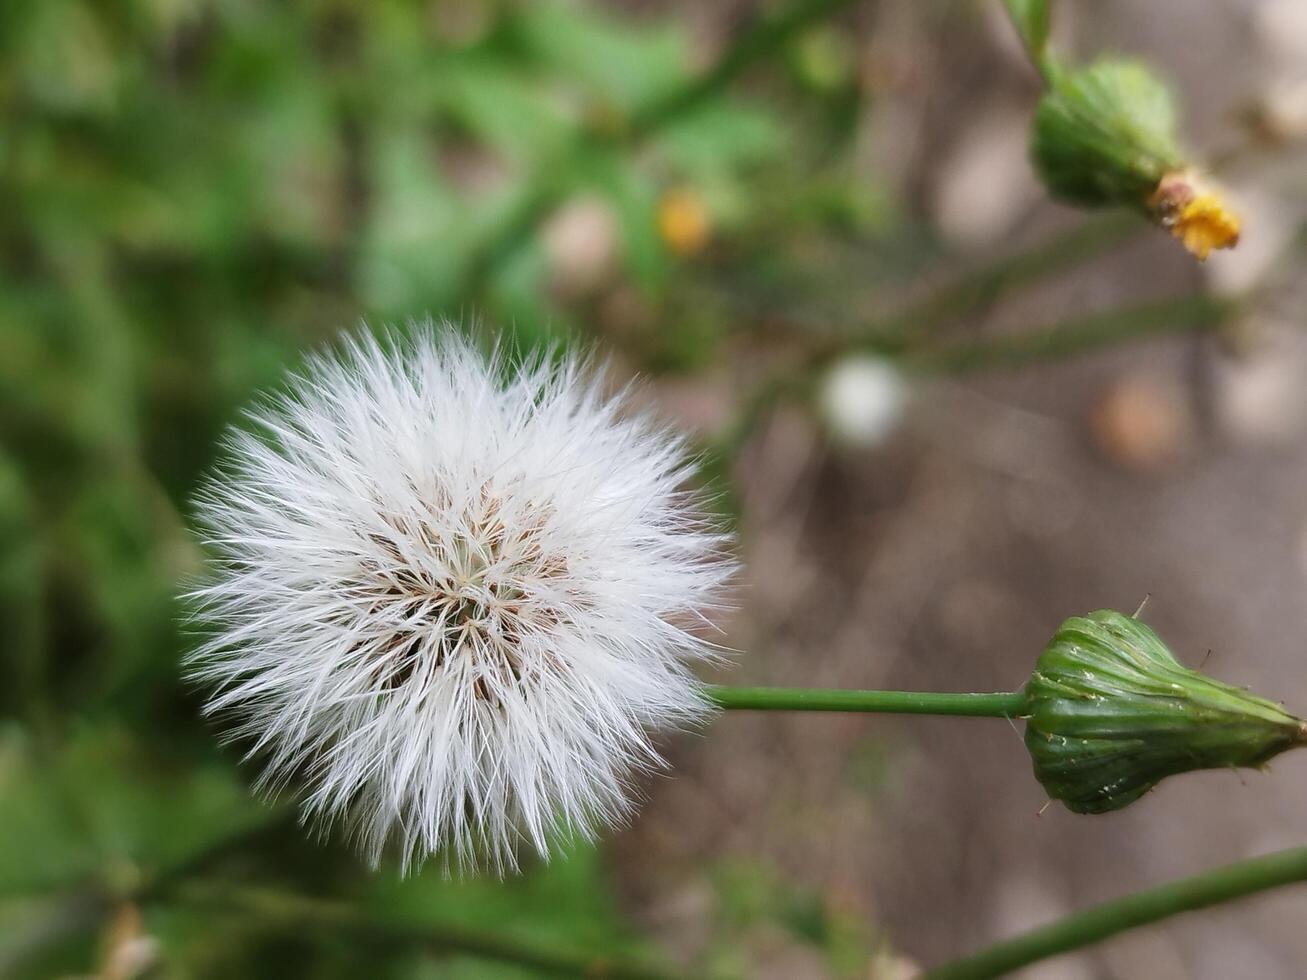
x: 979, y: 286
x: 756, y: 406
x: 889, y: 702
x: 536, y: 204
x: 87, y: 908
x: 1076, y: 335
x: 1080, y: 334
x: 546, y: 189
x: 986, y: 284
x: 764, y: 39
x: 244, y: 840
x: 294, y: 911
x: 1030, y: 18
x: 59, y: 921
x: 1145, y: 907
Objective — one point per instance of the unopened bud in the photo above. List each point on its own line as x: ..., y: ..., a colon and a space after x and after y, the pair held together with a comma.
x: 1111, y: 713
x: 1106, y: 135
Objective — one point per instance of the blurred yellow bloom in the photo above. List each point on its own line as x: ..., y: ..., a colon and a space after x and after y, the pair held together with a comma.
x: 682, y: 221
x: 1194, y: 213
x: 1205, y: 224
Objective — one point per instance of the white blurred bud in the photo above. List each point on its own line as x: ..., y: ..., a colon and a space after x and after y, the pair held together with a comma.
x: 862, y: 398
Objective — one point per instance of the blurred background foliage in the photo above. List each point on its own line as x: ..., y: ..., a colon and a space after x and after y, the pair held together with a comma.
x: 722, y: 197
x: 191, y: 194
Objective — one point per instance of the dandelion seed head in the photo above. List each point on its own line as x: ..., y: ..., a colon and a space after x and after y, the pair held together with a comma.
x: 454, y: 600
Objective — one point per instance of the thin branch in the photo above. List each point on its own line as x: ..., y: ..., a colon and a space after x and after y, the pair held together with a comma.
x: 1093, y: 925
x: 243, y: 840
x: 764, y: 39
x: 1079, y: 335
x: 988, y: 282
x: 300, y: 912
x: 1004, y: 705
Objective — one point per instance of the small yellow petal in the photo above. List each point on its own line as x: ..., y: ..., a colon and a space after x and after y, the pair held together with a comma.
x: 1204, y: 224
x: 1187, y: 206
x: 683, y: 221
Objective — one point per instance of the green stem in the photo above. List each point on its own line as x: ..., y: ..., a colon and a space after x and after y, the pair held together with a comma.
x: 300, y: 912
x: 1030, y: 18
x: 761, y: 41
x: 756, y: 405
x: 527, y: 214
x: 1079, y: 335
x: 246, y: 839
x: 1098, y: 923
x: 890, y: 702
x: 986, y: 284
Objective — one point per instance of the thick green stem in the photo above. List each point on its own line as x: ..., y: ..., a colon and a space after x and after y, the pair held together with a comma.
x: 1098, y: 923
x: 290, y: 911
x: 888, y: 702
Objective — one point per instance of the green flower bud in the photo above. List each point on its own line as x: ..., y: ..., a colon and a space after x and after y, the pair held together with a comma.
x: 1105, y: 134
x: 1110, y: 713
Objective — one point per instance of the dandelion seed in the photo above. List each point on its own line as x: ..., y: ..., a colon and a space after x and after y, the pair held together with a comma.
x: 453, y: 600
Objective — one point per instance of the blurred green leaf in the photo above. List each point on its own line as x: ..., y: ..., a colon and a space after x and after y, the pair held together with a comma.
x: 22, y: 593
x: 505, y: 107
x: 613, y: 64
x: 720, y: 137
x: 192, y: 195
x: 103, y: 809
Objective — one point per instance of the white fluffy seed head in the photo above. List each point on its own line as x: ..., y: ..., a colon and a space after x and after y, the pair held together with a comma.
x: 453, y: 599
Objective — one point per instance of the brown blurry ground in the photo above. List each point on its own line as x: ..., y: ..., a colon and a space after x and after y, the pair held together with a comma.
x: 1006, y: 502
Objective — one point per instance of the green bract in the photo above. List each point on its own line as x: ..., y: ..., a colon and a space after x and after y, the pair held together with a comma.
x: 1110, y: 713
x: 1105, y: 134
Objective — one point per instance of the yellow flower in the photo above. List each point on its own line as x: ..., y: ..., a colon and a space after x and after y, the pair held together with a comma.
x: 1205, y: 224
x: 1194, y: 213
x: 683, y: 222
